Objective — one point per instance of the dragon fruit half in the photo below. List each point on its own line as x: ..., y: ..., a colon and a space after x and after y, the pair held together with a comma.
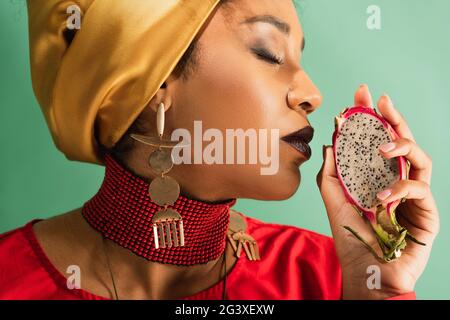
x: 363, y: 172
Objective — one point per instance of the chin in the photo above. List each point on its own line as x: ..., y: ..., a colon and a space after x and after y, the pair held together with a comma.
x: 290, y: 184
x: 278, y: 187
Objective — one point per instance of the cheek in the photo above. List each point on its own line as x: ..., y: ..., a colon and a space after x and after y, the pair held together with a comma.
x: 232, y: 89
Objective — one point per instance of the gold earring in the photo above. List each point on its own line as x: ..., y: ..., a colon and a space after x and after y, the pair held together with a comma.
x: 163, y: 190
x: 240, y: 239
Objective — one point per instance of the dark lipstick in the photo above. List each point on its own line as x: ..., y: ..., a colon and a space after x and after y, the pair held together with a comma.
x: 300, y: 140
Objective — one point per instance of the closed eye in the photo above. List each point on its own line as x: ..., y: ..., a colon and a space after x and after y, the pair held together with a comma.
x: 264, y: 54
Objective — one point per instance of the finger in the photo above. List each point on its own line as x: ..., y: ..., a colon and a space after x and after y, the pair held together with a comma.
x: 363, y: 97
x: 421, y: 163
x: 329, y: 167
x: 328, y: 182
x: 409, y: 189
x: 320, y: 173
x: 393, y: 116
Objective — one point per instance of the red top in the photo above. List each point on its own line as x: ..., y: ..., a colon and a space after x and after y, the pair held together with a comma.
x: 295, y: 264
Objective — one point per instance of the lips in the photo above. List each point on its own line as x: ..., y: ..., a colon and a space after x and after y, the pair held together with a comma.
x: 300, y: 140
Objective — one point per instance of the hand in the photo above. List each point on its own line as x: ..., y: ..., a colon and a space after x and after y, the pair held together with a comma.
x: 418, y: 214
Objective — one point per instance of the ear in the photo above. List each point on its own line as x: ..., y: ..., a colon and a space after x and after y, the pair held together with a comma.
x: 164, y: 95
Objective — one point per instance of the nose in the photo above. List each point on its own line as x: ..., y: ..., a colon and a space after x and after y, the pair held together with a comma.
x: 303, y: 95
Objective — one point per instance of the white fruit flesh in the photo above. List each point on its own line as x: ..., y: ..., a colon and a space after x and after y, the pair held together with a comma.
x: 362, y: 169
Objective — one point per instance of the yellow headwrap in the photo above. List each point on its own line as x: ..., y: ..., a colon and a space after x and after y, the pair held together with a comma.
x: 92, y: 90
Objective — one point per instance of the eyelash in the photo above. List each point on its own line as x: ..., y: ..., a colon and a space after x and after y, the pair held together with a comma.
x: 268, y: 56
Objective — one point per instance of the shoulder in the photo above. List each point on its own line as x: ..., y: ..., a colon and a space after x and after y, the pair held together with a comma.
x: 15, y: 242
x: 303, y: 262
x: 5, y: 238
x: 299, y: 239
x: 25, y: 270
x: 19, y: 264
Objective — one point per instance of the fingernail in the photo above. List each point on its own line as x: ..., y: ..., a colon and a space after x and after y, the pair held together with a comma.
x: 387, y: 97
x: 384, y: 194
x: 387, y: 147
x: 362, y: 85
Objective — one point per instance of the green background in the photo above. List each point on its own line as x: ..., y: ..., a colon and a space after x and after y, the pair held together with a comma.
x: 408, y: 59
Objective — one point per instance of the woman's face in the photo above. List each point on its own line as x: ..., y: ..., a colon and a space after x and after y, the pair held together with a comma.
x: 236, y: 84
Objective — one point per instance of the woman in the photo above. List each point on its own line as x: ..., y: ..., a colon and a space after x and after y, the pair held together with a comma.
x: 113, y: 90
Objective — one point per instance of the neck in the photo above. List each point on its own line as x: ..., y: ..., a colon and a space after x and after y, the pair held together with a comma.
x: 122, y: 212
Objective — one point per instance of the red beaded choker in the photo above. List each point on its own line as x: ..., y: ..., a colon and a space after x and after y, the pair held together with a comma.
x: 122, y: 212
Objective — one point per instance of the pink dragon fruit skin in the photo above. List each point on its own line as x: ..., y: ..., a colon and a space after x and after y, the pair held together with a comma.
x: 351, y: 159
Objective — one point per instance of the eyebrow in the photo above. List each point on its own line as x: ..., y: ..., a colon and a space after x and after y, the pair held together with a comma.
x: 282, y: 26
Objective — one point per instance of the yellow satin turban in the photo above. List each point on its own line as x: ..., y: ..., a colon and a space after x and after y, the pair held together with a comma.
x: 91, y: 90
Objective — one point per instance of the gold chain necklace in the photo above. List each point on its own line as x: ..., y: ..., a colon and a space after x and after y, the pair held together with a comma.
x: 239, y: 240
x: 224, y: 260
